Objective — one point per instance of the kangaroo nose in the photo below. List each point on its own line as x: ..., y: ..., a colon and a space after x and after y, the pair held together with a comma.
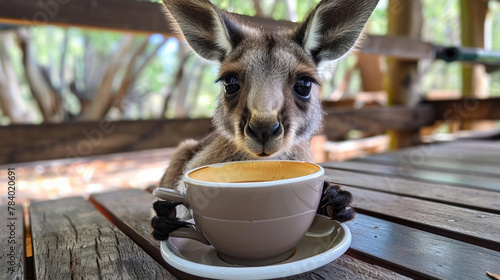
x: 263, y: 134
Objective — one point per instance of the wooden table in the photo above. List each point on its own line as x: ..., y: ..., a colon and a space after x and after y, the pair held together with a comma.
x: 429, y: 212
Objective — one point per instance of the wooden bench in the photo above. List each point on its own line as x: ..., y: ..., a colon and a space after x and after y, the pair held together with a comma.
x: 433, y: 217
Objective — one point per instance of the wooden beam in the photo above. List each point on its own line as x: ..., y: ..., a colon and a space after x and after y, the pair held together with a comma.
x: 466, y: 109
x: 70, y: 140
x: 22, y: 143
x: 393, y: 46
x: 119, y: 15
x: 338, y: 122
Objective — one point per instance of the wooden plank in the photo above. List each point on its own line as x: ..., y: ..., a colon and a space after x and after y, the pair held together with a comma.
x: 73, y: 140
x: 339, y: 121
x: 130, y: 210
x: 103, y: 14
x: 404, y: 48
x: 472, y: 156
x: 404, y: 171
x: 72, y: 240
x: 12, y: 254
x: 427, y: 255
x: 467, y: 109
x: 493, y: 146
x: 433, y: 163
x: 481, y: 200
x: 466, y: 225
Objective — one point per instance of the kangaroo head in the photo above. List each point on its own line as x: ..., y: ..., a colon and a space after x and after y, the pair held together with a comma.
x: 269, y: 82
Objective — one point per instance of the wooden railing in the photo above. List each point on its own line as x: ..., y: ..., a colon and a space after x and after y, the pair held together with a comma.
x: 24, y: 143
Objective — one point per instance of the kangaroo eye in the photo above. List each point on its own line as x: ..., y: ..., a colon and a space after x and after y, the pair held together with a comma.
x: 231, y: 84
x: 303, y: 88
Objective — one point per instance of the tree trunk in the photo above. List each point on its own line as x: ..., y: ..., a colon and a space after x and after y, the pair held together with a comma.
x: 104, y: 92
x: 10, y: 96
x: 44, y: 92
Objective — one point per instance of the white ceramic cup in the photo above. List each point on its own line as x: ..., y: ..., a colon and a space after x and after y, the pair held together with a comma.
x: 252, y: 212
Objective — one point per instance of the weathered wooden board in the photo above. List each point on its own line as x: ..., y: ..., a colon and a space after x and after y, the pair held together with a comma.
x: 428, y: 256
x: 471, y: 226
x: 103, y: 14
x: 12, y: 254
x: 482, y: 200
x: 131, y: 210
x: 73, y: 140
x: 470, y: 155
x: 434, y: 163
x: 339, y: 121
x: 72, y: 240
x: 493, y: 146
x: 463, y: 180
x: 467, y: 109
x: 347, y: 267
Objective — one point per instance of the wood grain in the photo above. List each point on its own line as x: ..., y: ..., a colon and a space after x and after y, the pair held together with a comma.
x: 131, y: 210
x: 102, y: 14
x: 493, y: 146
x: 348, y: 267
x: 471, y: 226
x: 72, y: 240
x: 12, y: 254
x: 434, y: 163
x: 467, y: 109
x: 481, y: 200
x: 428, y: 256
x: 407, y: 172
x: 468, y: 155
x: 339, y: 121
x: 73, y: 140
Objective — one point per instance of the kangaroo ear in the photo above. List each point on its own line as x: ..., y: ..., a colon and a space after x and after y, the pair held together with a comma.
x: 212, y: 33
x: 333, y: 27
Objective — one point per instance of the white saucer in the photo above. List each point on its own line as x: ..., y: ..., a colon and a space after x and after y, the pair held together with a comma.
x: 325, y: 241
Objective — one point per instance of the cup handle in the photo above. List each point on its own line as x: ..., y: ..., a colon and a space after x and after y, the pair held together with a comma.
x: 191, y: 231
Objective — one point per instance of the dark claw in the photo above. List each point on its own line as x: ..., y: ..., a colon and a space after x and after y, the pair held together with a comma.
x: 165, y: 222
x: 336, y: 203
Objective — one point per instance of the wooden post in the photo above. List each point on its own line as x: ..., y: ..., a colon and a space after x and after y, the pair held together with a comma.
x: 472, y: 18
x: 370, y: 70
x: 404, y: 20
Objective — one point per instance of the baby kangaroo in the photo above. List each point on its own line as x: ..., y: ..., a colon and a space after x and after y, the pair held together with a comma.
x: 269, y: 106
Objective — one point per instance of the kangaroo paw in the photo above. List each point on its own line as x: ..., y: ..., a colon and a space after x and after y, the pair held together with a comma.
x: 165, y: 220
x: 336, y: 203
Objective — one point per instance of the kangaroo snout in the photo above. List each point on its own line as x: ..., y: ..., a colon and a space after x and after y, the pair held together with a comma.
x: 263, y: 133
x: 263, y: 139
